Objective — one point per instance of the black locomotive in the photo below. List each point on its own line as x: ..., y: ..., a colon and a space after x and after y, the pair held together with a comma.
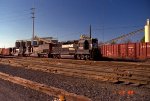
x: 84, y: 48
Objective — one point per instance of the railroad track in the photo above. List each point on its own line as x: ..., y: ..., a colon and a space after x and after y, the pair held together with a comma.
x: 116, y: 73
x: 52, y: 91
x: 112, y: 68
x: 92, y: 67
x: 88, y: 70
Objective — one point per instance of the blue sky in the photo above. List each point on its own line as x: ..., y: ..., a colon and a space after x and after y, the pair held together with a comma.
x: 68, y: 19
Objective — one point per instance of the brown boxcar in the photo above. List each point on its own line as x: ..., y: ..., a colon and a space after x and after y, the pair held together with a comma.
x: 148, y: 50
x: 116, y: 50
x: 131, y: 50
x: 1, y: 51
x: 126, y: 51
x: 142, y: 50
x: 6, y: 51
x: 123, y: 50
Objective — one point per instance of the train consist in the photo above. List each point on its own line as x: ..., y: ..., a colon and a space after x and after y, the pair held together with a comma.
x: 84, y: 48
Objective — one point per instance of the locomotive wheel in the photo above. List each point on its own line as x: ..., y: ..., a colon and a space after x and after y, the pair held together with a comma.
x: 75, y: 56
x: 78, y: 57
x: 82, y: 57
x: 87, y: 57
x: 39, y: 55
x: 52, y: 56
x: 58, y: 56
x: 55, y: 56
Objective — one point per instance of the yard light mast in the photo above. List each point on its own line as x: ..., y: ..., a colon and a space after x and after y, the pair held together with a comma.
x: 90, y: 31
x: 33, y: 17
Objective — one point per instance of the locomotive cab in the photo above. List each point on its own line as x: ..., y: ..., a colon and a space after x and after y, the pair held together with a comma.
x: 94, y: 43
x: 86, y: 48
x: 94, y: 52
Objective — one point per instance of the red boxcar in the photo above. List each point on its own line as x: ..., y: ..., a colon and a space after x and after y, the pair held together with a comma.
x: 6, y: 51
x: 115, y: 50
x: 1, y: 51
x: 126, y: 51
x: 131, y: 50
x: 148, y: 50
x: 123, y: 50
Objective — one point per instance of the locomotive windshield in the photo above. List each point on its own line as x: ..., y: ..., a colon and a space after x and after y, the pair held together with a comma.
x: 95, y: 43
x: 86, y: 44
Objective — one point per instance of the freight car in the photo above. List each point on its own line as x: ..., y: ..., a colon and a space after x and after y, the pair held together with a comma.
x: 131, y: 51
x: 7, y: 51
x: 23, y: 48
x: 84, y: 48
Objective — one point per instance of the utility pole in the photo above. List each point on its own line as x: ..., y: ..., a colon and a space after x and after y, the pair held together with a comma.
x: 33, y: 17
x: 90, y: 32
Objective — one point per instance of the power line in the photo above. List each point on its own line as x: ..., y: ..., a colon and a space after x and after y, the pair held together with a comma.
x: 125, y: 35
x: 121, y: 27
x: 13, y: 20
x: 14, y: 14
x: 12, y: 17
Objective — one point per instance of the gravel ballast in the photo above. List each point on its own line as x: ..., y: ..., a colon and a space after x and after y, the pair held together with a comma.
x: 96, y: 90
x: 13, y: 92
